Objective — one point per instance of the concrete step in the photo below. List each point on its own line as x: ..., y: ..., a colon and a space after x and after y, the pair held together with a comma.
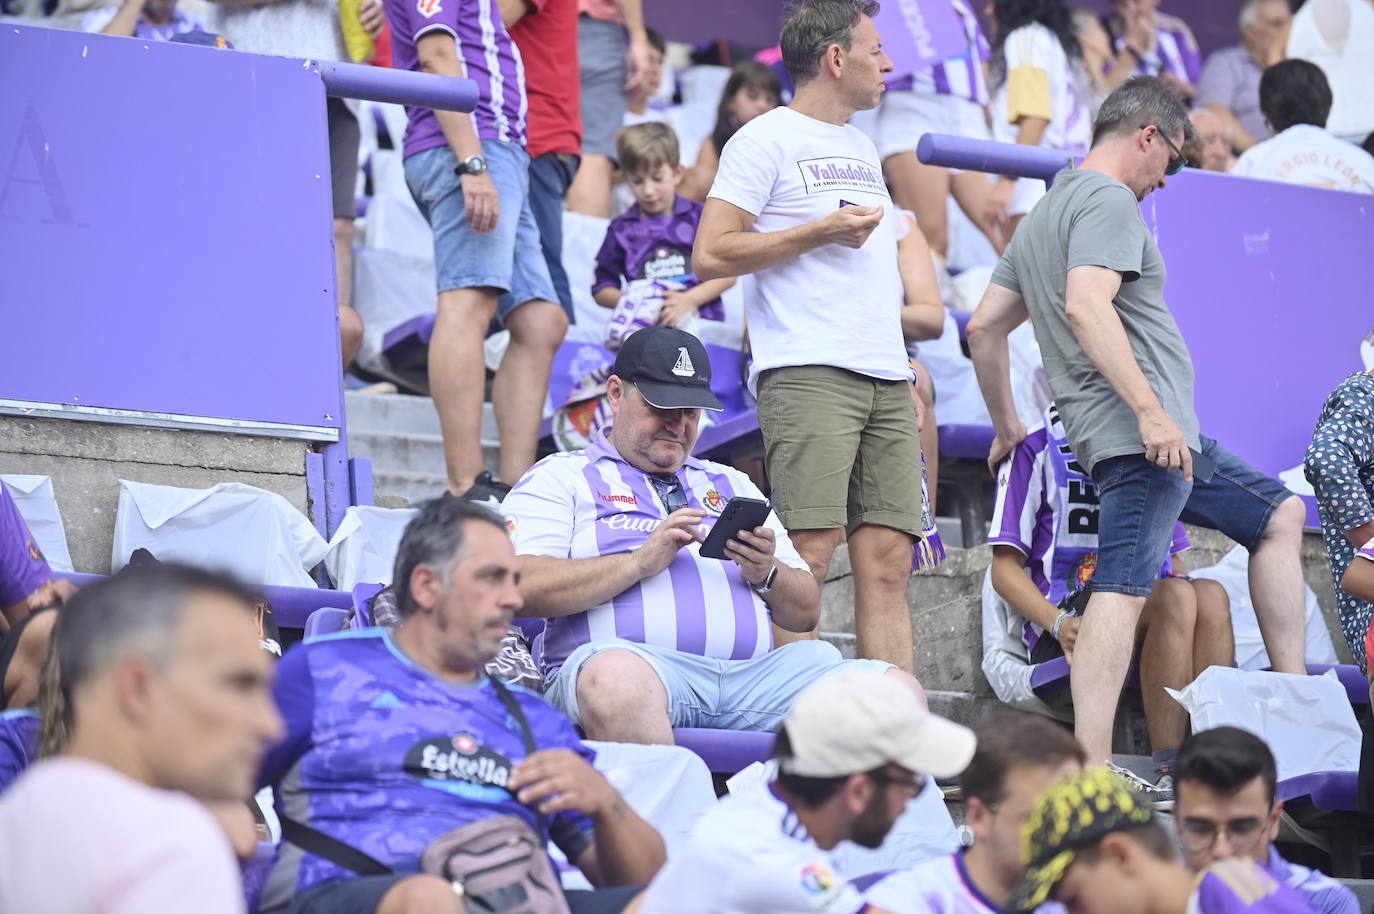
x: 411, y: 453
x: 405, y: 414
x: 411, y: 486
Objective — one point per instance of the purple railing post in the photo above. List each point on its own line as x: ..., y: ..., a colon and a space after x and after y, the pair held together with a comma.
x: 403, y: 87
x: 1011, y: 159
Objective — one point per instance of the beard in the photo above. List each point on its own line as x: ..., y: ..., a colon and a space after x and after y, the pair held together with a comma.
x: 873, y: 824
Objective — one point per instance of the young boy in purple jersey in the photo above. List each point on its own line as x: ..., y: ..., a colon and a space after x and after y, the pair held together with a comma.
x: 394, y: 739
x: 1044, y: 541
x: 1096, y: 848
x: 652, y: 241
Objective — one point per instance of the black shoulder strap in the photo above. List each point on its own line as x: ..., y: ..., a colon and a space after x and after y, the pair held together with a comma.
x: 318, y: 843
x: 515, y: 711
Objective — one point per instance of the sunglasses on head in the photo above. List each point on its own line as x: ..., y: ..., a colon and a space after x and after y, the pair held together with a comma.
x: 1178, y: 161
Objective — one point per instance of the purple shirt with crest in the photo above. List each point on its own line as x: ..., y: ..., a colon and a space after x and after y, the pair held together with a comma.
x: 653, y: 247
x: 487, y: 54
x: 22, y: 566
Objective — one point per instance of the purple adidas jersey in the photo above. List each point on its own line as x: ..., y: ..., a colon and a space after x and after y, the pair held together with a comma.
x: 1047, y: 509
x: 585, y: 504
x: 19, y: 732
x: 22, y: 566
x: 1176, y: 49
x: 487, y: 55
x: 653, y: 247
x: 961, y: 75
x: 384, y: 756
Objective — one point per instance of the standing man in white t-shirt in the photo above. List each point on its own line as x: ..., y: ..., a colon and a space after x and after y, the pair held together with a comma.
x: 164, y: 707
x: 799, y: 201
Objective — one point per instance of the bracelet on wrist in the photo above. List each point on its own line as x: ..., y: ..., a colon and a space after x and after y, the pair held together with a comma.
x: 1058, y: 620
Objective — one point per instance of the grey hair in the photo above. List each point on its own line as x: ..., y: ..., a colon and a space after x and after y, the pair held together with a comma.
x: 434, y: 539
x: 1249, y: 13
x: 814, y: 25
x: 1140, y: 102
x: 136, y: 611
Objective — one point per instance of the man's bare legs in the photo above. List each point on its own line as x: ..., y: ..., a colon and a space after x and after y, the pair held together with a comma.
x: 620, y: 699
x: 1276, y: 587
x: 881, y: 561
x: 1214, y: 640
x: 590, y: 191
x: 1168, y: 622
x: 816, y: 547
x: 1101, y: 659
x: 517, y: 392
x: 457, y: 379
x: 350, y: 322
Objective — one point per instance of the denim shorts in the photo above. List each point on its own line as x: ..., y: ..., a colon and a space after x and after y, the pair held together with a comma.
x: 751, y: 694
x: 1140, y: 502
x: 509, y: 257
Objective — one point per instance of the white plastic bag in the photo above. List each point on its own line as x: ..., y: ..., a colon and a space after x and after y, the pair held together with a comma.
x: 1306, y: 720
x: 923, y: 831
x: 363, y: 548
x: 34, y: 498
x: 253, y: 533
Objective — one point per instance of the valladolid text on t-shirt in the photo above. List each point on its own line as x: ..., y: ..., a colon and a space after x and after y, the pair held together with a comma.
x: 829, y: 173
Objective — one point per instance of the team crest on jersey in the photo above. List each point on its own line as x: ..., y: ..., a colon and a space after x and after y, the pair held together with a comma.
x: 462, y: 757
x: 817, y: 879
x: 429, y: 8
x: 1082, y: 572
x: 510, y: 526
x: 713, y: 501
x: 34, y: 552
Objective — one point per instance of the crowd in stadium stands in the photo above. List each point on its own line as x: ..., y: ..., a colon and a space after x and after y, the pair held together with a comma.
x: 425, y: 764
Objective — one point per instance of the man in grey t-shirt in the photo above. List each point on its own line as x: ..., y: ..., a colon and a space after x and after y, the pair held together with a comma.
x: 1086, y: 270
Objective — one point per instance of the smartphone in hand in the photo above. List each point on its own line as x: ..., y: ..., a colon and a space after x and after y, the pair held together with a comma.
x: 738, y: 514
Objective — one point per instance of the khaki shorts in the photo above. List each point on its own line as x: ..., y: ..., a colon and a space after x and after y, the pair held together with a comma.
x: 841, y: 449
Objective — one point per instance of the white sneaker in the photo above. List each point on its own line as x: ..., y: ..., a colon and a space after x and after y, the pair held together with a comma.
x: 1160, y: 793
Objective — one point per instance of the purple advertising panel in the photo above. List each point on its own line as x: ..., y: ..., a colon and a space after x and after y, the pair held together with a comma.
x: 166, y: 245
x: 917, y: 33
x: 1267, y: 283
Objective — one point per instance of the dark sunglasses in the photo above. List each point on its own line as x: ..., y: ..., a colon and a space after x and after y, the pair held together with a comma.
x: 669, y: 489
x: 1178, y: 161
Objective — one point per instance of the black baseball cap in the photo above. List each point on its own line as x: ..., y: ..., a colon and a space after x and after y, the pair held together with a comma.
x: 669, y: 366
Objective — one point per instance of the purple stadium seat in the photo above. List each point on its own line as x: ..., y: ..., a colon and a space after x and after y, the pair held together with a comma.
x: 1327, y: 802
x: 362, y: 603
x: 324, y: 621
x: 971, y: 442
x: 961, y: 319
x: 1356, y: 686
x: 1333, y: 791
x: 1053, y: 676
x: 407, y: 351
x: 291, y: 605
x: 726, y: 751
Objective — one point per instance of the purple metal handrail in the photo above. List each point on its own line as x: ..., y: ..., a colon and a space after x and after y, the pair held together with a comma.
x: 1011, y: 159
x: 402, y: 87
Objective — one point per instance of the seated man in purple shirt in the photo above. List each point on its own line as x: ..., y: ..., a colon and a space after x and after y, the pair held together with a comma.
x: 1095, y: 847
x: 645, y: 633
x: 394, y: 740
x: 1225, y: 781
x: 27, y: 588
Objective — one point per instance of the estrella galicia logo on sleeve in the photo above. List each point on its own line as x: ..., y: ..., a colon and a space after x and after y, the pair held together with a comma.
x: 462, y: 765
x: 828, y: 173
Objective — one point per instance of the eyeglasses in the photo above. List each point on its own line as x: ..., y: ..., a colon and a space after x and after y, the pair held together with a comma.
x: 669, y: 489
x: 916, y: 783
x: 1178, y: 161
x: 1198, y: 835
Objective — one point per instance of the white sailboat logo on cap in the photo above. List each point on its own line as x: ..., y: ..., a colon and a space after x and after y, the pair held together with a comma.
x: 684, y: 367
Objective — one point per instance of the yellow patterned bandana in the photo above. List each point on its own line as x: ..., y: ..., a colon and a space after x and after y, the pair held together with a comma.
x: 1071, y: 815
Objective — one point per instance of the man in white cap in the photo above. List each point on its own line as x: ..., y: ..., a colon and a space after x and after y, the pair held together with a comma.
x: 855, y: 749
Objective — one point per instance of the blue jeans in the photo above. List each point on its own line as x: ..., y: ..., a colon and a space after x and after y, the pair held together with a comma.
x: 751, y: 694
x: 508, y: 258
x: 550, y: 176
x: 1141, y: 501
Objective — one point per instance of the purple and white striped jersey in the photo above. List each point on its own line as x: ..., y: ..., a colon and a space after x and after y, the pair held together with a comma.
x: 384, y: 756
x: 487, y: 55
x: 1047, y: 509
x: 1176, y: 49
x: 590, y: 503
x: 961, y: 75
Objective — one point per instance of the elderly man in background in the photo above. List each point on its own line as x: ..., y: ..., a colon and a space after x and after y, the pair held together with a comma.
x: 1229, y: 87
x: 1210, y: 147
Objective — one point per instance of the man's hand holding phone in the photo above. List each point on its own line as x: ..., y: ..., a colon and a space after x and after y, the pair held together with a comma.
x: 752, y: 551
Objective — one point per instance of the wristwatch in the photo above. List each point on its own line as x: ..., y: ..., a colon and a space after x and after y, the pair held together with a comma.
x: 767, y: 583
x: 472, y: 165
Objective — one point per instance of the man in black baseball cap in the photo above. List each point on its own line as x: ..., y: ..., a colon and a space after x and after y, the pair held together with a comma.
x: 644, y: 633
x: 669, y: 367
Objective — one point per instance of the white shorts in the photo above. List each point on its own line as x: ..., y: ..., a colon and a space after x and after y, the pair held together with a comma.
x: 904, y: 117
x: 1027, y: 193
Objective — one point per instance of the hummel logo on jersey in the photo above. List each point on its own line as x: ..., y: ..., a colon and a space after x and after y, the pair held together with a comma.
x: 387, y: 699
x: 684, y: 367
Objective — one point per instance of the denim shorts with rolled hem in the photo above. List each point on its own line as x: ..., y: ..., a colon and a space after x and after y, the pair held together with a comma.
x: 508, y: 258
x: 753, y: 694
x: 1140, y: 502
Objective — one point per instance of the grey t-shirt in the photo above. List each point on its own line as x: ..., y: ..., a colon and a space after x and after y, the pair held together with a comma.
x: 1090, y: 219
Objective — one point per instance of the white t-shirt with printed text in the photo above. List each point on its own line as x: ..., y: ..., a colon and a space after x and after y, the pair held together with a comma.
x: 833, y: 305
x: 1307, y: 154
x: 751, y: 855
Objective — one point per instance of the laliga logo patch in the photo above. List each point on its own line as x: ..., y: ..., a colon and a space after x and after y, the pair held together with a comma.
x: 713, y: 501
x: 428, y: 8
x: 817, y: 879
